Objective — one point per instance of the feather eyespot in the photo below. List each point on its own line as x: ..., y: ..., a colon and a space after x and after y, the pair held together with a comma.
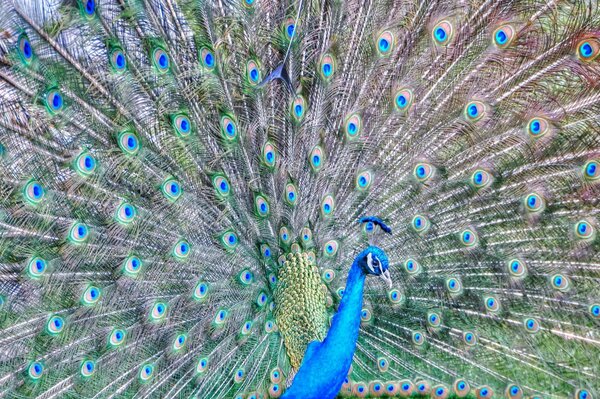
x: 423, y: 387
x: 353, y: 126
x: 261, y: 299
x: 54, y: 101
x: 132, y: 265
x: 253, y: 72
x: 117, y: 59
x: 160, y: 60
x: 327, y: 67
x: 78, y: 233
x: 261, y: 206
x: 239, y: 375
x: 469, y: 338
x: 584, y: 230
x: 36, y: 267
x: 85, y: 164
x: 412, y: 267
x: 531, y: 325
x: 591, y: 170
x: 270, y: 326
x: 182, y: 125
x: 403, y: 99
x: 25, y: 49
x: 276, y: 375
x: 88, y: 7
x: 306, y: 236
x: 395, y: 296
x: 284, y: 235
x: 246, y: 328
x: 560, y: 282
x: 364, y: 180
x: 469, y: 238
x: 229, y: 129
x: 423, y: 171
x: 269, y: 155
x: 442, y: 33
x: 265, y: 250
x: 316, y: 158
x: 91, y: 296
x: 418, y: 338
x: 480, y: 179
x: 125, y: 213
x: 128, y: 142
x: 146, y: 372
x: 35, y: 370
x: 55, y: 325
x: 594, y: 310
x: 454, y: 286
x: 246, y: 277
x: 517, y: 268
x: 275, y: 391
x: 434, y: 319
x: 382, y: 364
x: 513, y: 391
x: 360, y: 389
x: 298, y: 108
x: 87, y: 368
x: 171, y: 189
x: 179, y: 342
x: 221, y: 185
x: 289, y: 28
x: 291, y: 194
x: 33, y: 192
x: 181, y: 250
x: 583, y: 394
x: 537, y: 127
x: 461, y: 388
x: 440, y: 392
x: 207, y: 58
x: 588, y: 49
x: 474, y: 111
x: 330, y: 248
x: 158, y: 311
x: 328, y: 275
x: 534, y: 203
x: 202, y: 365
x: 491, y: 304
x: 484, y: 392
x: 221, y: 317
x: 327, y: 206
x: 405, y: 387
x: 504, y: 36
x: 385, y: 43
x: 200, y: 291
x: 229, y: 240
x: 420, y: 224
x: 116, y: 337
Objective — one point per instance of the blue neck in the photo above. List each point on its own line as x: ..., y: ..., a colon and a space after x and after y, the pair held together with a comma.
x: 346, y: 322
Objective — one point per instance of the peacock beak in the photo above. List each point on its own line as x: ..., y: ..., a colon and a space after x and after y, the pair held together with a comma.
x: 387, y: 278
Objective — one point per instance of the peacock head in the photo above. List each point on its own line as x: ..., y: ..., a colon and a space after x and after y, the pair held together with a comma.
x: 373, y: 260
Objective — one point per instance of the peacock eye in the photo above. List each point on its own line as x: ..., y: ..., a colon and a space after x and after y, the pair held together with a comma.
x: 252, y: 72
x: 25, y: 49
x: 160, y: 59
x: 89, y: 7
x: 54, y: 101
x: 385, y: 43
x: 207, y: 58
x: 442, y: 33
x: 588, y: 49
x: 504, y: 36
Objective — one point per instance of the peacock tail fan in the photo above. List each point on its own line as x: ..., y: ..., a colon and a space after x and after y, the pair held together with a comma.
x: 174, y: 223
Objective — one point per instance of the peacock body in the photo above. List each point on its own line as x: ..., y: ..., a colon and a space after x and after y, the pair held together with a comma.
x: 184, y: 185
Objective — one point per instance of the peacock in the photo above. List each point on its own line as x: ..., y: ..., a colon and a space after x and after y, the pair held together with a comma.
x: 291, y: 199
